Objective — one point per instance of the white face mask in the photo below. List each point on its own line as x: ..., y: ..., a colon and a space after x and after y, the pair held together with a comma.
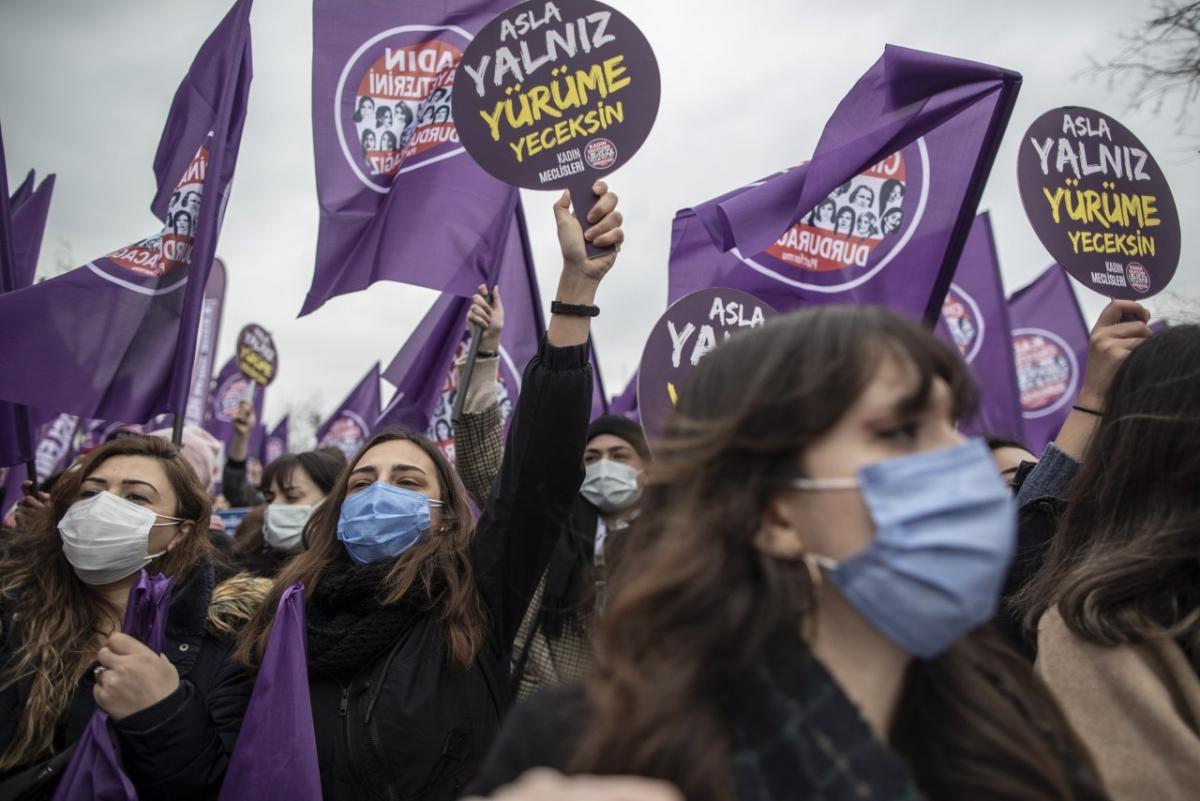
x: 106, y: 538
x: 611, y: 486
x: 283, y: 526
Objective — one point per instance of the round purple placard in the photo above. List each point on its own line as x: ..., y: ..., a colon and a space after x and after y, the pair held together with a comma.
x: 256, y: 354
x: 551, y: 95
x: 1099, y: 202
x: 689, y: 330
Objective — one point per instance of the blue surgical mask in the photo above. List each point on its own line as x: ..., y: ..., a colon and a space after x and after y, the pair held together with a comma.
x: 382, y: 521
x: 945, y: 533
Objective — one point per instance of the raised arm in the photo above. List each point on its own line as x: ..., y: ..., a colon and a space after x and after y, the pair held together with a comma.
x: 542, y: 467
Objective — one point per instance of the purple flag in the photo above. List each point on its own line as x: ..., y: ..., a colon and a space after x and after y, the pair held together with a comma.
x: 206, y: 345
x: 95, y: 771
x: 599, y: 397
x: 22, y: 223
x: 351, y: 425
x: 276, y: 751
x: 116, y: 338
x: 626, y: 403
x: 880, y: 213
x: 1050, y: 344
x: 54, y: 449
x: 29, y: 214
x: 275, y: 444
x: 401, y: 200
x: 231, y: 388
x: 975, y: 319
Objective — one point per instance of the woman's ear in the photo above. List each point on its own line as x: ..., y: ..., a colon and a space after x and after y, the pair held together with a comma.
x: 184, y: 530
x: 779, y: 534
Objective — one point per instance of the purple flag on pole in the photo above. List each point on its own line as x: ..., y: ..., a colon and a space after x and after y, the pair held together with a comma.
x: 231, y: 388
x: 1050, y: 344
x: 626, y: 403
x: 880, y: 213
x: 29, y: 214
x: 975, y: 320
x: 351, y: 425
x: 400, y: 198
x: 54, y: 449
x: 275, y: 444
x: 116, y: 338
x: 206, y: 345
x: 276, y: 751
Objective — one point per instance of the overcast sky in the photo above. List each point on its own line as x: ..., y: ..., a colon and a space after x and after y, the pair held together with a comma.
x: 85, y: 86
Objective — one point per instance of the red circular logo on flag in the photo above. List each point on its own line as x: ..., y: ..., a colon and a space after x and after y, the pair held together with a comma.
x: 1047, y: 371
x: 392, y: 105
x: 965, y: 322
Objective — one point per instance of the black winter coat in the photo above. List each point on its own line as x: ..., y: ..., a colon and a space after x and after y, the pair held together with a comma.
x: 409, y: 725
x: 178, y: 748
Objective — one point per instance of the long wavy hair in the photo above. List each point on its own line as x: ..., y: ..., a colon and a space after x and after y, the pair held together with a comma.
x: 1124, y: 564
x: 57, y: 617
x: 436, y: 572
x: 694, y: 601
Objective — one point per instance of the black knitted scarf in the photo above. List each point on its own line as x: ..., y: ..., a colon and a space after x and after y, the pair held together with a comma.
x: 347, y: 625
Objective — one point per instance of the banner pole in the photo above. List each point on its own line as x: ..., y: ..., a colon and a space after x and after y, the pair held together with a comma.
x: 460, y: 397
x: 177, y: 431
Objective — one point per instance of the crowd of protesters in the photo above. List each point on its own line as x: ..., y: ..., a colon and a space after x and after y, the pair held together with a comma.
x: 812, y: 586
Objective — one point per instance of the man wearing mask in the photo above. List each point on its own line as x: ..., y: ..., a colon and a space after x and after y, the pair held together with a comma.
x: 553, y: 645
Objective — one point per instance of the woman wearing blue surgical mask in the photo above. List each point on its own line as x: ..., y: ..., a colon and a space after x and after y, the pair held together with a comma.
x: 411, y: 606
x: 796, y: 614
x: 294, y: 484
x: 133, y: 503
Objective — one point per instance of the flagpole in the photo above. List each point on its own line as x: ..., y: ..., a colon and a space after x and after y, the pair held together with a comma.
x: 468, y: 370
x: 8, y: 283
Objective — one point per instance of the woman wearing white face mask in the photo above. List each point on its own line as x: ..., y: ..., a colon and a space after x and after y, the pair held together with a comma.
x: 64, y: 581
x: 796, y: 611
x: 294, y: 484
x: 553, y: 646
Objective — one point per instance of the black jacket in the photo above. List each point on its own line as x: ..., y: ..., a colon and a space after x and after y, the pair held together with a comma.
x: 409, y: 725
x: 178, y: 748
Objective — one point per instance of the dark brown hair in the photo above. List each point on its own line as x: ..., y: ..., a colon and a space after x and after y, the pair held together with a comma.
x: 320, y: 466
x: 695, y: 602
x: 437, y: 569
x: 60, y: 616
x: 1123, y: 566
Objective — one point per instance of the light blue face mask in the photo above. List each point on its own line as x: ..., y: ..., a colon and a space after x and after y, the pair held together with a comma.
x: 382, y: 521
x: 945, y: 533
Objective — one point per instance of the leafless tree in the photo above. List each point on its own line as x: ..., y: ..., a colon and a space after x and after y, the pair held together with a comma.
x: 1159, y: 62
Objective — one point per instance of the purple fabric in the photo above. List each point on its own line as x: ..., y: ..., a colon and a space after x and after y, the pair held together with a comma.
x: 115, y: 339
x: 230, y: 388
x: 206, y: 346
x: 275, y: 444
x: 276, y: 751
x: 975, y: 320
x: 424, y: 213
x: 351, y: 425
x: 94, y: 772
x: 54, y: 450
x: 1050, y: 345
x: 29, y: 216
x: 926, y: 123
x: 600, y: 404
x: 626, y: 403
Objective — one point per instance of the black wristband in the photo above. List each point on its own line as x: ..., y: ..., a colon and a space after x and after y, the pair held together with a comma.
x: 573, y: 310
x: 1086, y: 410
x: 487, y: 354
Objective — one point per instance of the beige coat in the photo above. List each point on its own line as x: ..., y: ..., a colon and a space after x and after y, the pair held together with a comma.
x: 1137, y: 708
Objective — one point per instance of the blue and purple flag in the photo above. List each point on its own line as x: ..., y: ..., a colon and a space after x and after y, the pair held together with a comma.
x: 880, y: 213
x: 116, y: 338
x: 275, y: 444
x: 401, y: 200
x: 1050, y: 345
x: 349, y: 428
x: 975, y: 320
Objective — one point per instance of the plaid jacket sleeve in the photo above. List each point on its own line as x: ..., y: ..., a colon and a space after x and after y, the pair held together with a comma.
x: 478, y: 451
